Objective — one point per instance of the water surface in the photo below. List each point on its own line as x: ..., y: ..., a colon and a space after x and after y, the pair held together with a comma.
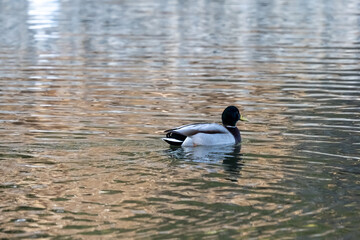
x: 87, y: 89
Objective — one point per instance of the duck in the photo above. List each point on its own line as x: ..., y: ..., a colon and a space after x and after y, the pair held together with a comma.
x: 208, y: 134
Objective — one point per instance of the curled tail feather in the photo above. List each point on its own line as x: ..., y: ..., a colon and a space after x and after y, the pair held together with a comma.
x: 174, y: 138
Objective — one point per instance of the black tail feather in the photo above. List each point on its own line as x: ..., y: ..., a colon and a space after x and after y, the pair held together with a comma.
x: 177, y: 137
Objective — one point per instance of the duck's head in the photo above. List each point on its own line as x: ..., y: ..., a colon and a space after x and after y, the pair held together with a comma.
x: 231, y: 115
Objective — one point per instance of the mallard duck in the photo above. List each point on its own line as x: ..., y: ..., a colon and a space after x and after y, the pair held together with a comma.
x: 206, y: 134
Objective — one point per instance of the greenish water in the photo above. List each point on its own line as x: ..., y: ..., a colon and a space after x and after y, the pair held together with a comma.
x: 87, y: 89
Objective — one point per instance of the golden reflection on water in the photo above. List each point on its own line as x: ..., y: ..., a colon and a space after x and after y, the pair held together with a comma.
x: 87, y: 90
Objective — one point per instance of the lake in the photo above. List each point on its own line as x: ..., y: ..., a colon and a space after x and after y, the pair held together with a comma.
x: 87, y: 89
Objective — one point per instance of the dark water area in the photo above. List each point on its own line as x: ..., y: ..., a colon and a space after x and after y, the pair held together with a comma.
x: 88, y: 87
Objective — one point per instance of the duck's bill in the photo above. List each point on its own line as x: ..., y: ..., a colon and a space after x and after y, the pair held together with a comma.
x: 242, y: 118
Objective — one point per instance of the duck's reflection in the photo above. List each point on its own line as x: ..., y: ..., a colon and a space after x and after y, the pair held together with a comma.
x: 229, y: 156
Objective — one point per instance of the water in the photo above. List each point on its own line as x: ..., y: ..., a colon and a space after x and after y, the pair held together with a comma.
x: 87, y: 89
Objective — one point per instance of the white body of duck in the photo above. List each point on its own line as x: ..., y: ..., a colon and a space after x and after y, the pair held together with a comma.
x: 200, y: 134
x: 206, y: 134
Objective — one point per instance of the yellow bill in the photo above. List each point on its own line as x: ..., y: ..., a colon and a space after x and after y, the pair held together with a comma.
x: 242, y: 118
